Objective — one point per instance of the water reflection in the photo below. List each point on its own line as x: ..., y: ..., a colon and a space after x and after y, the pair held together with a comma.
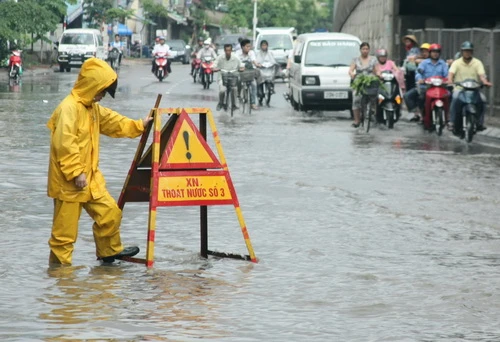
x: 124, y: 294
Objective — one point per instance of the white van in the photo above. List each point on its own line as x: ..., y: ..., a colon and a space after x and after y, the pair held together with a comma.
x: 319, y: 74
x: 280, y: 40
x: 77, y: 45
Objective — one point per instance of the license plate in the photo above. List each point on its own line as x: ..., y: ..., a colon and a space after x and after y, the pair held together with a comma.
x: 336, y: 95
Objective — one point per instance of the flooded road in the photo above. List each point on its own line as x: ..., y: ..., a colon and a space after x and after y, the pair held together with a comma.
x: 387, y: 236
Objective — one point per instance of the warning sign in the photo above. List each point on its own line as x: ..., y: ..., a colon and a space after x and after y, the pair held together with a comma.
x: 207, y: 188
x: 186, y: 148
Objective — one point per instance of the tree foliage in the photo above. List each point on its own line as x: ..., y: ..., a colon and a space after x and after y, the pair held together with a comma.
x: 95, y: 11
x: 304, y: 15
x: 26, y: 19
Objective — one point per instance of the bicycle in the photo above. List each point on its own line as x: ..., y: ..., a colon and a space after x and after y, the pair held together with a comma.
x: 246, y: 79
x: 229, y: 80
x: 369, y: 105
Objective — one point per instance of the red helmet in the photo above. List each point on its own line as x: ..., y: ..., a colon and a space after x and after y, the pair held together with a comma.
x: 435, y: 47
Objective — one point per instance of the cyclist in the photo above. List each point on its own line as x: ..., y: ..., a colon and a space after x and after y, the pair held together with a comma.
x: 228, y: 61
x: 362, y: 65
x: 247, y: 57
x: 119, y: 46
x: 467, y: 67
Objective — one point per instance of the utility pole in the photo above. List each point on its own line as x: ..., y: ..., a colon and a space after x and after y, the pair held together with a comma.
x: 254, y: 20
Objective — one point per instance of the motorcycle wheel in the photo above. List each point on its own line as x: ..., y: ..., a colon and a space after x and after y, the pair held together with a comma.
x: 195, y: 73
x: 244, y: 99
x: 390, y: 119
x: 160, y: 75
x: 470, y: 129
x: 438, y: 112
x: 229, y: 100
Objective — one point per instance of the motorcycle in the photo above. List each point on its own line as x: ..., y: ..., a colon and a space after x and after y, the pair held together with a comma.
x: 196, y: 63
x: 206, y: 74
x: 161, y: 66
x: 113, y: 56
x: 437, y: 104
x: 471, y: 107
x: 267, y: 72
x: 15, y: 65
x: 389, y: 100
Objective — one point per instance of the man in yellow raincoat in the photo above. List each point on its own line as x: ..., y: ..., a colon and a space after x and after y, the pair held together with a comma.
x: 74, y: 179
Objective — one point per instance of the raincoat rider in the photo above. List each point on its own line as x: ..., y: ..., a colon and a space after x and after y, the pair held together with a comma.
x: 74, y: 179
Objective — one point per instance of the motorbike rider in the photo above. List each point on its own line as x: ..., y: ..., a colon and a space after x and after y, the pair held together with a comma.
x: 206, y: 51
x: 467, y: 67
x: 195, y: 52
x: 119, y: 46
x: 161, y: 48
x: 385, y: 64
x: 424, y: 53
x: 247, y: 57
x: 264, y: 56
x: 228, y: 61
x: 433, y: 66
x: 409, y: 65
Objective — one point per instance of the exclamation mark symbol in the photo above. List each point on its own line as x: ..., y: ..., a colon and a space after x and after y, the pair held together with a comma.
x: 185, y: 134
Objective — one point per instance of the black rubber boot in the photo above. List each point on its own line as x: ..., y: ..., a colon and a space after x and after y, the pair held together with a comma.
x: 127, y: 252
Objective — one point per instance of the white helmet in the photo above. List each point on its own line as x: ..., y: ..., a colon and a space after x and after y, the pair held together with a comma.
x: 206, y: 42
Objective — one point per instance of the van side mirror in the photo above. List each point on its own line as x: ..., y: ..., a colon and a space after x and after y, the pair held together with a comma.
x: 297, y: 59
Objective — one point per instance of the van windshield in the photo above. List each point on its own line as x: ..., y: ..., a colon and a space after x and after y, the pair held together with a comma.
x: 78, y: 38
x: 331, y: 53
x: 277, y: 41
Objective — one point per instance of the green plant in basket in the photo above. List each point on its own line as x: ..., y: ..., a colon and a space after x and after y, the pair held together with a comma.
x: 362, y: 82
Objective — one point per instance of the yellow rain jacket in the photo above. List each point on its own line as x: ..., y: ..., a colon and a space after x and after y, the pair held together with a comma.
x: 75, y: 128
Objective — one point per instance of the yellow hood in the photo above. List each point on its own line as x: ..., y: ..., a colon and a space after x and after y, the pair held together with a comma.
x: 95, y: 76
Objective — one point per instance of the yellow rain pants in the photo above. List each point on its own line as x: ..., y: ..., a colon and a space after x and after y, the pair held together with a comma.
x: 107, y: 218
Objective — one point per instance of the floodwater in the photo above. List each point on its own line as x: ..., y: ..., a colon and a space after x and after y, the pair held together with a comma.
x: 386, y: 236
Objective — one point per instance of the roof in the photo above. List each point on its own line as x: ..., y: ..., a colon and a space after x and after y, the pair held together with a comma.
x: 328, y: 35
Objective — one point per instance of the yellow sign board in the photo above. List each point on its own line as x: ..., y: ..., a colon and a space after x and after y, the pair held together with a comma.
x: 186, y: 149
x: 191, y: 189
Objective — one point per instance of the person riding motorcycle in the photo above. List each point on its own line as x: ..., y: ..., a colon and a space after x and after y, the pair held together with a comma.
x: 432, y: 66
x: 206, y: 51
x: 264, y: 56
x: 409, y: 65
x: 424, y: 53
x: 466, y: 67
x: 229, y: 62
x: 195, y: 52
x: 386, y: 64
x: 161, y: 48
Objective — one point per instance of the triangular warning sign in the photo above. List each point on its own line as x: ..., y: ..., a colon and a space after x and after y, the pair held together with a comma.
x: 187, y: 149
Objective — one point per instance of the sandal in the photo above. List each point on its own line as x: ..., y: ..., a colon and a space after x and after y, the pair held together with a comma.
x: 355, y: 125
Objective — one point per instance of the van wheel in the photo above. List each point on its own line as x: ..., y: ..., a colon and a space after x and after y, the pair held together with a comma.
x: 68, y: 69
x: 61, y: 68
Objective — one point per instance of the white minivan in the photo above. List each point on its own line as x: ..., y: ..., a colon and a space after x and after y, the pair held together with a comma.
x: 78, y: 45
x: 319, y: 74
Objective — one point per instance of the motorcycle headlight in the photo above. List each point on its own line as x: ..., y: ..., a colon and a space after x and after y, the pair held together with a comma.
x: 388, y: 77
x: 380, y: 98
x: 436, y: 81
x: 470, y: 84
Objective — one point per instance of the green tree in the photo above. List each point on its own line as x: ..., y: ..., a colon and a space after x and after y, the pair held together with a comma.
x: 95, y: 11
x: 119, y: 14
x: 270, y: 13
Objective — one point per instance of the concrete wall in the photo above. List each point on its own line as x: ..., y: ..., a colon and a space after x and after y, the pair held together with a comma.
x: 373, y: 21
